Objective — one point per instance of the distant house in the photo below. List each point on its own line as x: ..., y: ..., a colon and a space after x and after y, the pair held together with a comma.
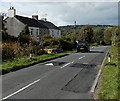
x: 15, y: 24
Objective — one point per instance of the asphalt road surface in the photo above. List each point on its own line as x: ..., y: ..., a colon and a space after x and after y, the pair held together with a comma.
x: 68, y: 77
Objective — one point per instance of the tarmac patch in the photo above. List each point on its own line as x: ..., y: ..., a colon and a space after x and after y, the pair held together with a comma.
x: 81, y: 82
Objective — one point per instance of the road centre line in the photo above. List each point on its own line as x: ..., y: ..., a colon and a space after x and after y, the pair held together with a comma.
x: 66, y: 65
x: 81, y: 57
x: 71, y: 62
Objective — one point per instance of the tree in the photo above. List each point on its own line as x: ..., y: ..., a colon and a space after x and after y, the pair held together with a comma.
x: 115, y: 35
x: 45, y: 37
x: 24, y: 36
x: 108, y: 35
x: 86, y: 34
x: 98, y: 35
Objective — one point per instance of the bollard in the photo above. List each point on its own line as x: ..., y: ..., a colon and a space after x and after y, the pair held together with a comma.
x: 31, y: 55
x: 109, y: 57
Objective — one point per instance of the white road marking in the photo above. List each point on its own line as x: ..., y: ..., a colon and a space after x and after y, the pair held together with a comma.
x: 65, y: 65
x: 49, y: 64
x: 81, y: 57
x: 85, y: 63
x: 21, y: 89
x: 72, y: 62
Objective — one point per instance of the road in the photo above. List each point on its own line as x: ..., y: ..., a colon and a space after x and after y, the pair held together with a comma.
x: 68, y: 77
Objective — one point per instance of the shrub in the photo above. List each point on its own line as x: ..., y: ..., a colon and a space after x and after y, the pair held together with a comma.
x: 37, y: 50
x: 8, y: 52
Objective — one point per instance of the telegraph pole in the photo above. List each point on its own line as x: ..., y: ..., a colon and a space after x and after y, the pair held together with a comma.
x: 75, y: 27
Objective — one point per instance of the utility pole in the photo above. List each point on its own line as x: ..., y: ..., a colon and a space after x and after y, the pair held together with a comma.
x: 75, y: 27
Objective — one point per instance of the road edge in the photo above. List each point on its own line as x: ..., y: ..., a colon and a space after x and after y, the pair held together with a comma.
x: 23, y: 67
x: 95, y: 83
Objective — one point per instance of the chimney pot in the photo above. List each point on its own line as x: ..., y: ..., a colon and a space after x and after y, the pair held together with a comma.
x: 35, y: 17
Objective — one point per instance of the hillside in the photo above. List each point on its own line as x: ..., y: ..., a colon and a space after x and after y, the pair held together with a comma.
x: 69, y: 29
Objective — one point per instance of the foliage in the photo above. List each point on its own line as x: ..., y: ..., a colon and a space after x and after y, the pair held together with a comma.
x: 24, y: 36
x: 7, y: 52
x: 115, y: 35
x: 59, y: 43
x: 107, y: 36
x: 23, y: 62
x: 8, y: 38
x: 37, y: 50
x: 98, y: 35
x: 45, y: 37
x: 86, y: 34
x: 14, y: 50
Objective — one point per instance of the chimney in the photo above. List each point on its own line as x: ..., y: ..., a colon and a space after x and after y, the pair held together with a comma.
x: 35, y: 17
x: 43, y: 19
x: 11, y: 12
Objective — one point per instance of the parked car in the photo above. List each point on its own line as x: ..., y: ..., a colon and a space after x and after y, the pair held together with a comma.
x: 83, y: 47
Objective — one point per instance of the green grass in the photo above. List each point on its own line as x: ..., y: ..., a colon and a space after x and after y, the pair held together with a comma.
x: 20, y: 63
x: 109, y: 80
x: 67, y: 51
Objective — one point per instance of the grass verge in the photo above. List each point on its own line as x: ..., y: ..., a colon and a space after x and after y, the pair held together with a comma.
x: 109, y: 77
x: 16, y: 64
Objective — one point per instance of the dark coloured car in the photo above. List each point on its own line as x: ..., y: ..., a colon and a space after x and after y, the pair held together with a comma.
x: 83, y: 47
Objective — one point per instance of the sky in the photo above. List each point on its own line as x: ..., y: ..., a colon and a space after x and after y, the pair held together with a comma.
x: 64, y: 13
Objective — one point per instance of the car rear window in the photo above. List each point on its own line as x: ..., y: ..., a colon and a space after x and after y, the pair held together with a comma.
x: 82, y: 44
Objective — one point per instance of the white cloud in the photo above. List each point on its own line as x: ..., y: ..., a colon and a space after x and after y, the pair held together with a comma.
x: 61, y: 0
x: 66, y: 13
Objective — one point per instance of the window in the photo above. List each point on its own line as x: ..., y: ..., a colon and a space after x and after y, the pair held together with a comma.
x: 39, y: 31
x: 37, y: 34
x: 31, y: 32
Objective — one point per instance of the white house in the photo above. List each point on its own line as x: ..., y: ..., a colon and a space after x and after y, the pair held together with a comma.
x: 16, y: 23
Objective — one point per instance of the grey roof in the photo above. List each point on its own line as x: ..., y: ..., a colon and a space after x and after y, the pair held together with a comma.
x: 36, y: 23
x: 30, y: 21
x: 48, y: 24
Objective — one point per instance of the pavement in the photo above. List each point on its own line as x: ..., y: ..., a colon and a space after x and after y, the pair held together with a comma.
x: 68, y: 77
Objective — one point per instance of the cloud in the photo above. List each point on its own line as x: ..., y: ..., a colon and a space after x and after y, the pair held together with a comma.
x: 65, y: 13
x: 60, y: 0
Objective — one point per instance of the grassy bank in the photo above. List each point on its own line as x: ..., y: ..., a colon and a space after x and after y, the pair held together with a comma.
x: 20, y: 63
x: 109, y: 80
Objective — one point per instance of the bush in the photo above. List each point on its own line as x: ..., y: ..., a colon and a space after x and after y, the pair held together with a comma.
x: 14, y: 50
x: 22, y: 51
x: 65, y: 45
x: 37, y: 50
x: 94, y: 44
x: 8, y: 53
x: 58, y: 43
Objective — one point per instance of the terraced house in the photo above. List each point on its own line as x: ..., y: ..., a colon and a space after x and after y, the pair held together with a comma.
x: 16, y: 23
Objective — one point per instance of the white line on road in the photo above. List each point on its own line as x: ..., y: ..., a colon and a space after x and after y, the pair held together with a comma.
x: 21, y: 89
x: 71, y: 62
x: 65, y: 65
x: 85, y: 63
x: 81, y: 57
